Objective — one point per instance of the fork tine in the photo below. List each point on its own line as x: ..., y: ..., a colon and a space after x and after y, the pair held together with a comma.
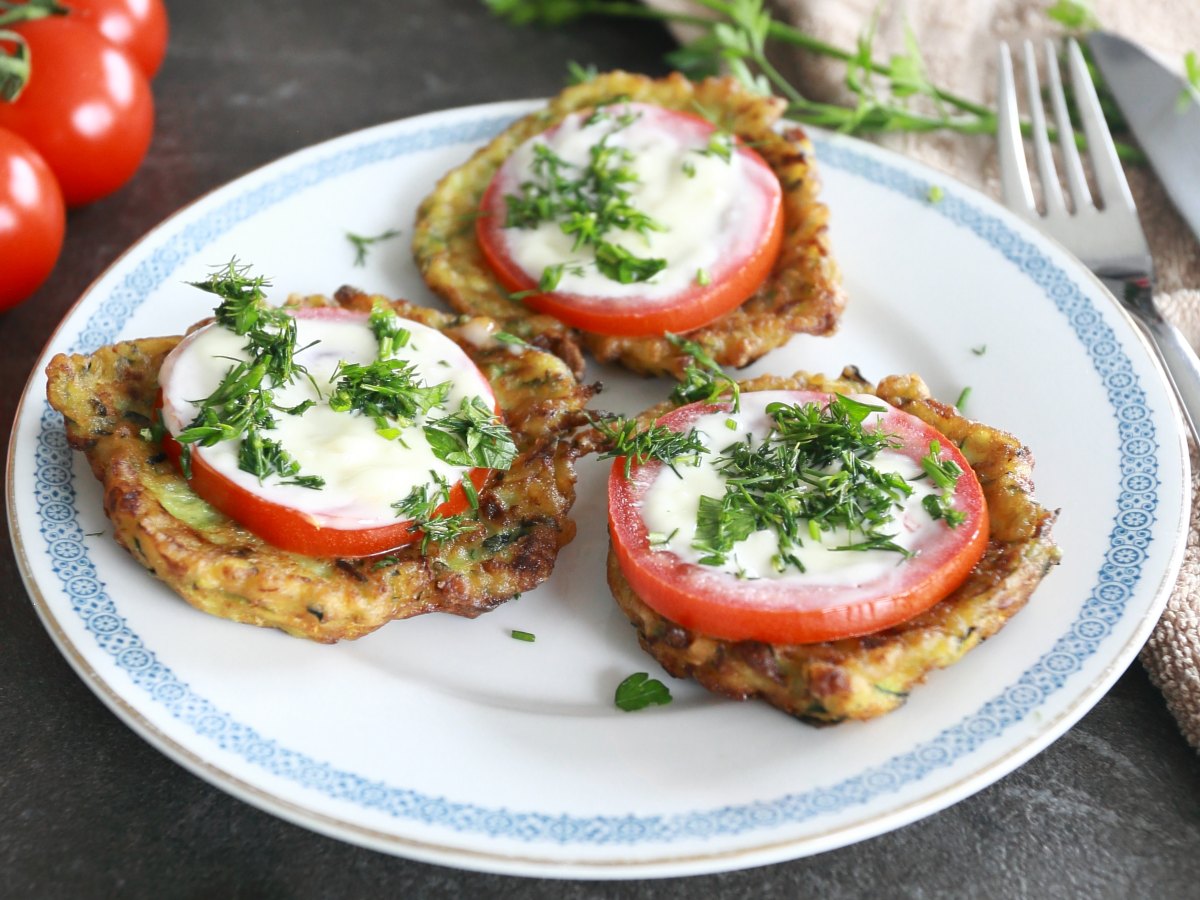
x: 1051, y: 191
x: 1014, y: 174
x: 1114, y: 189
x: 1081, y: 194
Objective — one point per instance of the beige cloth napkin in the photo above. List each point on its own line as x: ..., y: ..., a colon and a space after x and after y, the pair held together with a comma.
x: 958, y: 40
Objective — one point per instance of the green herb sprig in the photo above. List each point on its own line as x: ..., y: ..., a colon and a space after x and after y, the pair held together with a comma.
x: 703, y: 379
x: 659, y: 442
x: 588, y: 203
x: 812, y: 474
x: 891, y: 95
x: 420, y: 506
x: 639, y: 691
x: 388, y: 390
x: 945, y: 474
x: 472, y: 436
x: 385, y: 325
x: 362, y: 243
x: 243, y: 404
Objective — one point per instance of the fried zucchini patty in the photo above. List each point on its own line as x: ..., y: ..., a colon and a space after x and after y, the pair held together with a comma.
x: 864, y: 677
x: 107, y: 398
x: 802, y: 295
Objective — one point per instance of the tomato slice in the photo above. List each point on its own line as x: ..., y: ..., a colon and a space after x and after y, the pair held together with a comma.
x: 795, y: 610
x: 302, y: 532
x: 745, y: 257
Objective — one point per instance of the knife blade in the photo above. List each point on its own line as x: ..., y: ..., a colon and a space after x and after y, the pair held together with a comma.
x: 1163, y: 115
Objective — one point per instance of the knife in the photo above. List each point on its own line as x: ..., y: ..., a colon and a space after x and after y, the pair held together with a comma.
x: 1163, y: 115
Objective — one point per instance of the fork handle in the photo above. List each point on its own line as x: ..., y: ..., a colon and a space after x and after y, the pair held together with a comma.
x: 1178, y: 359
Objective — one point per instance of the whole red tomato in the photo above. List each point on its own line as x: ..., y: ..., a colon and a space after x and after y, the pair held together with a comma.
x: 139, y: 27
x: 32, y: 219
x: 86, y: 108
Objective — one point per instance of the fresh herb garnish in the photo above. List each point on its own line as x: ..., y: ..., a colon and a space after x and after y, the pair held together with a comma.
x: 362, y: 243
x: 526, y: 636
x: 243, y: 403
x: 387, y: 390
x: 512, y: 340
x: 740, y: 36
x: 264, y: 456
x: 962, y: 397
x: 945, y: 474
x: 936, y: 194
x: 639, y: 691
x: 702, y: 278
x: 656, y: 442
x: 588, y: 203
x: 720, y: 146
x: 980, y: 350
x: 658, y: 539
x: 811, y: 475
x: 579, y: 74
x: 703, y: 379
x: 385, y: 325
x: 472, y: 436
x: 420, y: 506
x: 1076, y: 15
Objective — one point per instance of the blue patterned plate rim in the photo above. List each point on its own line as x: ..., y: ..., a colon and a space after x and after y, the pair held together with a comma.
x: 158, y: 254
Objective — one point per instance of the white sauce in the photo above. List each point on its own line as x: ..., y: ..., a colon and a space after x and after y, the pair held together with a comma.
x: 710, y: 218
x: 671, y: 503
x: 364, y: 473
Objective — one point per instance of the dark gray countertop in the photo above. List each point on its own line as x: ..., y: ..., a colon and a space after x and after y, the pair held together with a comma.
x: 87, y: 809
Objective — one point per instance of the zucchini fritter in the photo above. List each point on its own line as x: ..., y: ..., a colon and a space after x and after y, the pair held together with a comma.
x: 217, y: 566
x: 801, y: 295
x: 863, y: 677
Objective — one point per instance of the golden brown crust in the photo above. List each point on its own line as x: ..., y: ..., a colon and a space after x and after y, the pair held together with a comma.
x: 802, y: 295
x: 214, y: 564
x: 860, y: 678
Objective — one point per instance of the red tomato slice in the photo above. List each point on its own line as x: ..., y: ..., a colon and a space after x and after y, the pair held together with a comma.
x: 731, y: 281
x: 300, y: 532
x: 714, y: 602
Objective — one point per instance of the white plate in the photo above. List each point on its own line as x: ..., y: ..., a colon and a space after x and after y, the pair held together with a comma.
x: 445, y: 740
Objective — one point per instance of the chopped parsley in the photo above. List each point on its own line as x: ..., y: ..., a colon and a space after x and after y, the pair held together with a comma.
x: 243, y: 404
x: 420, y: 506
x: 472, y: 436
x: 720, y: 146
x: 656, y: 442
x: 811, y: 475
x: 703, y: 379
x: 387, y: 390
x: 385, y: 325
x: 363, y: 244
x: 945, y: 474
x: 512, y: 340
x: 588, y: 202
x: 639, y: 691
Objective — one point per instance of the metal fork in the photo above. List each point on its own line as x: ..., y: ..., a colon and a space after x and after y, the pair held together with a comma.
x: 1108, y: 240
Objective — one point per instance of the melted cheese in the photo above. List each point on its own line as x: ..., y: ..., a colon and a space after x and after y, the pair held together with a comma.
x: 364, y: 473
x: 670, y: 504
x: 709, y: 208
